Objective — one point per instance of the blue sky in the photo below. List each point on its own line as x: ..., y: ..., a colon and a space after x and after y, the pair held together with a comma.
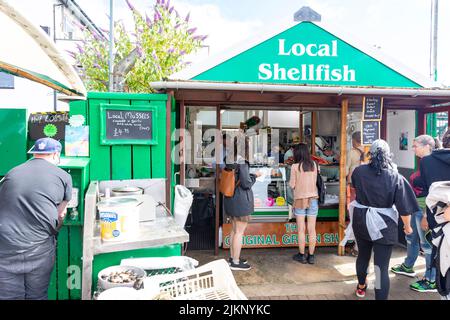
x: 401, y: 28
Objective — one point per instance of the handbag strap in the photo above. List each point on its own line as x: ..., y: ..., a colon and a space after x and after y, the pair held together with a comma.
x: 237, y: 171
x: 361, y: 154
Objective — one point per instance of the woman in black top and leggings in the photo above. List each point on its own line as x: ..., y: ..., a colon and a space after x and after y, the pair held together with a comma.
x: 240, y: 206
x: 379, y: 187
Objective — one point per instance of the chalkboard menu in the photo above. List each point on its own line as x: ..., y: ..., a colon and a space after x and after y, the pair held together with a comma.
x: 373, y: 108
x: 47, y: 124
x: 127, y: 125
x: 370, y: 132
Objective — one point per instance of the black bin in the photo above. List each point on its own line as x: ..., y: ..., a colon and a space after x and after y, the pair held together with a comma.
x: 200, y: 223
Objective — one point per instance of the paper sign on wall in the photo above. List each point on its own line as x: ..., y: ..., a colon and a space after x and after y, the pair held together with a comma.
x: 77, y: 141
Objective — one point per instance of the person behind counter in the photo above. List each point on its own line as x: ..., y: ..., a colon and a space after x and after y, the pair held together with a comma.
x: 355, y: 159
x: 328, y: 154
x: 374, y: 222
x: 277, y: 153
x: 289, y: 155
x: 330, y: 172
x: 303, y: 181
x: 240, y: 206
x: 33, y: 199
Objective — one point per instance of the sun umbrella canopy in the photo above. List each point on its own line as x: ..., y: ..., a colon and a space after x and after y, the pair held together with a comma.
x: 27, y: 51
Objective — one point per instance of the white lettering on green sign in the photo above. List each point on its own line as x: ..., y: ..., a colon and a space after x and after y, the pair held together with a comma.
x: 307, y: 72
x: 312, y: 49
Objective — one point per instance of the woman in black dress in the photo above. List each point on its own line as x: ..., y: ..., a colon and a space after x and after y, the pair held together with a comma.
x: 240, y: 206
x: 382, y: 194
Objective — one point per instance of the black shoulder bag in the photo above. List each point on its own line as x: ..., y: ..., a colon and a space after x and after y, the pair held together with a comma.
x: 321, y: 189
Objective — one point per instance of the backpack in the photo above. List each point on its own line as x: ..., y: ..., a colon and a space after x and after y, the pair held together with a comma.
x: 227, y: 182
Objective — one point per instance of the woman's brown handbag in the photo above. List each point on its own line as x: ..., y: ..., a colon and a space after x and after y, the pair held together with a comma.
x: 227, y: 182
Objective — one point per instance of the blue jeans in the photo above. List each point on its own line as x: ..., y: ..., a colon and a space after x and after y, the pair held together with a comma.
x: 414, y: 241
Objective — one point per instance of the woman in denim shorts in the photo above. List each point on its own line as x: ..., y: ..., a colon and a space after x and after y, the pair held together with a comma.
x: 303, y: 182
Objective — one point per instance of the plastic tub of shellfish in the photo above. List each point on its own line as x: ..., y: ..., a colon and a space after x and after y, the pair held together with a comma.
x: 120, y: 276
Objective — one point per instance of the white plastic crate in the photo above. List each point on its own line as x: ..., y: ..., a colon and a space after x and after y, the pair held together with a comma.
x: 213, y: 281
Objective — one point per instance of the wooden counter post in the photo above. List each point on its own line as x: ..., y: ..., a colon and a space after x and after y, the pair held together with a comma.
x: 422, y: 126
x: 218, y: 146
x: 342, y: 175
x: 300, y: 126
x: 182, y: 143
x: 313, y: 132
x: 170, y: 96
x: 384, y: 124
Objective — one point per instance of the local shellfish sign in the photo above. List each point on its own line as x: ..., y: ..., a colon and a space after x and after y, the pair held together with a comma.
x: 304, y: 54
x: 307, y: 72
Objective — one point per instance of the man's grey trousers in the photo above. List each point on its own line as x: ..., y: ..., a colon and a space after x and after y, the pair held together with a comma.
x: 26, y: 276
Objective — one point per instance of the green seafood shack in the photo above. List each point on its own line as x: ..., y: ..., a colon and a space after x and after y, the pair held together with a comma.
x: 305, y: 82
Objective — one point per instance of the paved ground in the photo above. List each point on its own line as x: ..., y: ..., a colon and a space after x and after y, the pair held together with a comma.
x: 275, y: 276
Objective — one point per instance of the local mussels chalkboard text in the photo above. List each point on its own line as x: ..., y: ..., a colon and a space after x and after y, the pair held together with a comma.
x: 128, y: 125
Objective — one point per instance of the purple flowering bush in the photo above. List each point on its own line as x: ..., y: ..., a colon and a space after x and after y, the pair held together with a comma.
x: 160, y: 42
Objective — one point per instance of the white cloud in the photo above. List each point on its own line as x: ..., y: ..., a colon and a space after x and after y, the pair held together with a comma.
x: 400, y: 28
x: 222, y: 33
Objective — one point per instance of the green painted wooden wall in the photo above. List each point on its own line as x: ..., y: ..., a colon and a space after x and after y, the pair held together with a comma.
x: 13, y: 138
x: 122, y: 162
x: 65, y: 281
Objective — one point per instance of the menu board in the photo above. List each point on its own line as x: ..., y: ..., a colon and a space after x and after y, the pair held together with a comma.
x: 47, y: 124
x: 373, y: 108
x: 124, y: 124
x: 127, y: 124
x: 370, y: 132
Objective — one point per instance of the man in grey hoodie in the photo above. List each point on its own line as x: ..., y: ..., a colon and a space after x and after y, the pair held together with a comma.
x: 434, y: 168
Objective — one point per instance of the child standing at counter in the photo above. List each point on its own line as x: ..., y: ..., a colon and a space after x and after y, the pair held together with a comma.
x: 303, y: 181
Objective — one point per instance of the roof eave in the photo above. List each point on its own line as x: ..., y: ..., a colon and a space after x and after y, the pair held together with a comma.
x: 289, y: 88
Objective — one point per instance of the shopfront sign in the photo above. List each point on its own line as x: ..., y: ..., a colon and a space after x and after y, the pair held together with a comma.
x: 47, y: 124
x: 372, y: 108
x: 370, y: 132
x: 282, y: 234
x: 122, y: 125
x: 305, y: 54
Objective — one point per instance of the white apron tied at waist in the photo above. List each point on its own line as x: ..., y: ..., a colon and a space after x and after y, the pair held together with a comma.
x: 374, y: 221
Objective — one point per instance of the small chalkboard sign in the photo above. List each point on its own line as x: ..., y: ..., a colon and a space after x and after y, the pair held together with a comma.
x: 373, y: 108
x: 370, y: 132
x: 125, y: 124
x: 47, y: 124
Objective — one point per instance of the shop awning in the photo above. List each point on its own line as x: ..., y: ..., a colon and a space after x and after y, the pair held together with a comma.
x: 276, y: 95
x: 28, y: 52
